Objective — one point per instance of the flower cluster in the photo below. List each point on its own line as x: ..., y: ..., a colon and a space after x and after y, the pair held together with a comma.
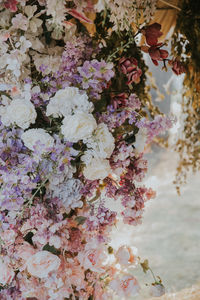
x: 68, y: 142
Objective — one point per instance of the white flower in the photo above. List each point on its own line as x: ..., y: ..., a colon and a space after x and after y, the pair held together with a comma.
x: 67, y: 101
x: 24, y: 44
x: 78, y: 126
x: 42, y: 263
x: 20, y: 22
x: 102, y: 142
x: 20, y: 112
x: 157, y: 290
x: 6, y: 274
x: 98, y: 168
x: 32, y: 136
x: 140, y: 141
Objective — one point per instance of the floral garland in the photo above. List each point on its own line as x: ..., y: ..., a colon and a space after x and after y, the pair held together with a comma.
x: 74, y: 127
x: 185, y: 45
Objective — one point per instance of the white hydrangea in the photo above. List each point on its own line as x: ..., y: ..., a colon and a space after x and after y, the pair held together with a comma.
x: 101, y: 144
x: 32, y: 136
x: 78, y: 126
x: 56, y: 8
x: 52, y: 62
x: 67, y: 101
x: 124, y: 13
x: 69, y: 193
x: 98, y: 168
x: 20, y: 112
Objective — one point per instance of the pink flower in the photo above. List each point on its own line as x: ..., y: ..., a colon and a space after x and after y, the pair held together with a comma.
x: 8, y: 237
x: 6, y: 274
x: 125, y: 286
x: 92, y: 259
x: 152, y: 33
x: 11, y: 4
x: 42, y: 263
x: 134, y: 76
x: 129, y: 67
x: 79, y: 15
x: 25, y: 251
x: 4, y: 36
x: 119, y: 101
x: 126, y: 255
x: 20, y: 22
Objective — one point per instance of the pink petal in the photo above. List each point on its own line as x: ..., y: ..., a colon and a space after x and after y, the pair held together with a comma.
x: 79, y: 16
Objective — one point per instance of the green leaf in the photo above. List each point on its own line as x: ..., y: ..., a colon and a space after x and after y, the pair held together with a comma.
x: 145, y: 265
x: 51, y: 249
x: 80, y: 220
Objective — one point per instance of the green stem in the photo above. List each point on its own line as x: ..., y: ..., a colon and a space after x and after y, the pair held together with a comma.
x: 38, y: 189
x: 152, y: 273
x: 122, y: 47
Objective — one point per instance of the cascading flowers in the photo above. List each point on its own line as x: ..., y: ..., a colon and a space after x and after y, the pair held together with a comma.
x: 69, y: 141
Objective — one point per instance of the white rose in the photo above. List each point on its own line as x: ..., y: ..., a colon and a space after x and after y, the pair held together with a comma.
x: 42, y: 263
x: 102, y: 141
x: 6, y: 274
x: 20, y: 112
x: 97, y: 169
x: 67, y: 101
x: 78, y: 126
x: 32, y: 136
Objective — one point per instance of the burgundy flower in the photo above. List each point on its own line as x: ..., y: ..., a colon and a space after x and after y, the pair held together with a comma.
x: 177, y: 67
x: 129, y: 67
x: 11, y: 4
x: 152, y: 33
x: 119, y: 101
x: 156, y: 53
x: 134, y: 76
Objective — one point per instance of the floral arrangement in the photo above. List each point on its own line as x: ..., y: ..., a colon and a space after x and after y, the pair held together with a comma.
x: 185, y: 46
x: 75, y: 120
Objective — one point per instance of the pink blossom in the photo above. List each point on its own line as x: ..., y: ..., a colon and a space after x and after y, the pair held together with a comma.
x: 92, y: 259
x: 125, y: 286
x: 8, y: 237
x: 11, y: 4
x: 134, y: 76
x: 42, y: 263
x: 126, y: 255
x: 79, y: 15
x: 25, y: 250
x: 129, y: 67
x: 20, y: 22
